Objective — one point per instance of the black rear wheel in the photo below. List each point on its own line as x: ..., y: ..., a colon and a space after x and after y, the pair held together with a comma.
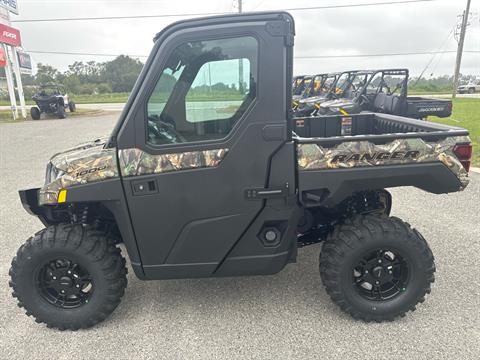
x: 61, y: 112
x: 35, y: 113
x: 376, y: 268
x: 68, y: 276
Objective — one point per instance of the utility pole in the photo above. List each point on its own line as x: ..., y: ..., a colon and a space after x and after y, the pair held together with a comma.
x: 240, y: 61
x: 460, y: 49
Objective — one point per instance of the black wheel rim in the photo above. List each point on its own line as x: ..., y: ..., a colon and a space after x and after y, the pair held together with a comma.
x: 64, y: 283
x: 381, y: 275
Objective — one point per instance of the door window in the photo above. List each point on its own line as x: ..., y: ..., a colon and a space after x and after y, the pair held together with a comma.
x: 203, y: 91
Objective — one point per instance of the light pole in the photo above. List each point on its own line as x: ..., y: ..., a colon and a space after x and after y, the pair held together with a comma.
x: 461, y: 40
x: 240, y: 61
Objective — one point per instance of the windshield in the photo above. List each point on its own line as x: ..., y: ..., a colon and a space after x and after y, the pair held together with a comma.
x: 315, y: 87
x: 302, y: 85
x: 355, y: 85
x: 328, y: 85
x: 342, y: 83
x: 48, y: 91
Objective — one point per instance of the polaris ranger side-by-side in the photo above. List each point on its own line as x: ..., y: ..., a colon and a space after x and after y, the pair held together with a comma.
x: 312, y: 89
x: 301, y: 84
x: 333, y: 86
x: 386, y: 91
x: 226, y: 187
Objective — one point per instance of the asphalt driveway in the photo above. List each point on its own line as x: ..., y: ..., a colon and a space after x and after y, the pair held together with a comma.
x: 283, y: 316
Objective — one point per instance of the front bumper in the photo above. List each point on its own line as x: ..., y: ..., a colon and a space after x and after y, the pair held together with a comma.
x: 29, y: 199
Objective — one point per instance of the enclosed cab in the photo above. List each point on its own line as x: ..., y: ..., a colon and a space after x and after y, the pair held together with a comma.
x: 205, y: 175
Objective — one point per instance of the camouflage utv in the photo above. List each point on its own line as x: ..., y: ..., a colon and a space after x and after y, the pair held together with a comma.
x: 232, y: 185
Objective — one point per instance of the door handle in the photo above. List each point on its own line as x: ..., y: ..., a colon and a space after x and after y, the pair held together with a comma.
x: 144, y: 187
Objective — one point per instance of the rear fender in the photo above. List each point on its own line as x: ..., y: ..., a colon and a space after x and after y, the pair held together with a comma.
x: 330, y: 187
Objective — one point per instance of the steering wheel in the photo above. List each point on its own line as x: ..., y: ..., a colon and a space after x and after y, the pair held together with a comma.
x: 364, y: 99
x: 161, y: 132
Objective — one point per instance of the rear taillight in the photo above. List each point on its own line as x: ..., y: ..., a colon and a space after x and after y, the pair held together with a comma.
x: 464, y: 154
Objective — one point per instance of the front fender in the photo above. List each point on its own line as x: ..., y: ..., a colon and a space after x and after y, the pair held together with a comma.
x: 29, y: 199
x: 108, y: 193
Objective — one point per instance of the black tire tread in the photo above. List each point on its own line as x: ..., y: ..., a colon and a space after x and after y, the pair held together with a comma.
x: 35, y: 113
x: 355, y: 232
x: 88, y: 241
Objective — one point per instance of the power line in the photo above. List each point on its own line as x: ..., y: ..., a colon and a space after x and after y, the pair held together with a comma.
x: 442, y: 46
x: 115, y: 17
x: 359, y: 5
x: 296, y: 57
x: 379, y: 55
x: 326, y: 7
x: 81, y: 53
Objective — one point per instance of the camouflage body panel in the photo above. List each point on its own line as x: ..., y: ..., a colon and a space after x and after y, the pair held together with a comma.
x: 401, y: 151
x: 91, y: 162
x: 137, y: 162
x: 78, y: 166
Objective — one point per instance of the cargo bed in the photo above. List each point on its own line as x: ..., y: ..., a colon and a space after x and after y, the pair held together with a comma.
x: 348, y: 153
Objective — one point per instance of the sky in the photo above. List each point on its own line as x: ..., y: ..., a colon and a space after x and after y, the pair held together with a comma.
x: 387, y: 29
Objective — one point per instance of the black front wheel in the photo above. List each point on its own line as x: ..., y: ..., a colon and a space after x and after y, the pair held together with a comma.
x: 71, y: 106
x: 35, y: 113
x: 68, y: 276
x: 376, y: 268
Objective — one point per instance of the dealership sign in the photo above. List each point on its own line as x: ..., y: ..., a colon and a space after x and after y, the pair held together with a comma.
x: 25, y: 62
x: 9, y: 35
x: 3, y: 58
x: 10, y: 5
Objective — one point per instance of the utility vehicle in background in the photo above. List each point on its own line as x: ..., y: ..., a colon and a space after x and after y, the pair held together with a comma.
x: 386, y: 91
x: 51, y: 99
x: 223, y: 188
x: 332, y: 87
x: 301, y: 83
x: 313, y: 88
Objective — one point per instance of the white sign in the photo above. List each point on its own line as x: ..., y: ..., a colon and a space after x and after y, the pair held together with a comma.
x: 4, y: 16
x: 10, y: 5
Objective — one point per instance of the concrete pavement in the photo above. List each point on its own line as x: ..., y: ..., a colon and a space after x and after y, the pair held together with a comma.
x: 284, y: 316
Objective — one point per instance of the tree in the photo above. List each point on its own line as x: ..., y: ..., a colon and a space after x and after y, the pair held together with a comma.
x: 46, y: 74
x: 121, y: 73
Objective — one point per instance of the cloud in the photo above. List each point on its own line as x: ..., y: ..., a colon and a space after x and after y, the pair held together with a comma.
x: 363, y: 30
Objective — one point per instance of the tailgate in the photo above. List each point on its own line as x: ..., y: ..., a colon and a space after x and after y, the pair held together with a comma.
x: 427, y: 107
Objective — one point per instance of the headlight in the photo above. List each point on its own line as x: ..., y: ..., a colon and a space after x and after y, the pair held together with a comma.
x: 52, y: 173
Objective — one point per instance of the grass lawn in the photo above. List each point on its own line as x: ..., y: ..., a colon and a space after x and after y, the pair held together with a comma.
x: 422, y: 92
x: 123, y: 97
x: 6, y: 115
x: 466, y: 114
x: 85, y: 99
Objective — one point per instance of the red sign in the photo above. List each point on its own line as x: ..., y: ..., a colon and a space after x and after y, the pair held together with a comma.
x: 9, y: 35
x: 3, y: 58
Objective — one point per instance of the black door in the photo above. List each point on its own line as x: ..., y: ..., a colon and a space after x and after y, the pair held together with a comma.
x: 207, y: 117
